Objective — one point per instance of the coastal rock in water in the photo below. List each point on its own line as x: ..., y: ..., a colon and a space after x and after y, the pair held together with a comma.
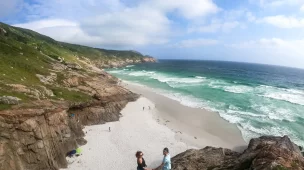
x: 148, y: 59
x: 264, y: 153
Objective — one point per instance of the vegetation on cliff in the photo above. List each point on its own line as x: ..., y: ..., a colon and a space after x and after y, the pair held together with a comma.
x: 48, y: 91
x: 28, y: 58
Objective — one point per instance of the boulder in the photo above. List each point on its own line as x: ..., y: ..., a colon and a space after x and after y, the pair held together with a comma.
x: 47, y: 79
x: 9, y: 100
x: 74, y: 66
x: 28, y: 125
x: 207, y: 158
x: 148, y: 59
x: 264, y: 153
x: 3, y: 31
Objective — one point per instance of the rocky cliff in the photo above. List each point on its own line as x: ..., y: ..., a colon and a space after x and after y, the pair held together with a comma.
x: 264, y: 153
x: 48, y: 91
x: 37, y: 134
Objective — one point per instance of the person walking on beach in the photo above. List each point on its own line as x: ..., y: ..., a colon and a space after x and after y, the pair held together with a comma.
x: 143, y: 108
x: 109, y: 129
x: 141, y: 163
x: 166, y: 164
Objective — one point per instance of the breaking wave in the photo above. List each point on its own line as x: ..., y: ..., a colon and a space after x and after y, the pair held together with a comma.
x: 256, y: 109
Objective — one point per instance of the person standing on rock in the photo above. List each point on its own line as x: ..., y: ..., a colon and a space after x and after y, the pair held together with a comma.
x: 166, y: 164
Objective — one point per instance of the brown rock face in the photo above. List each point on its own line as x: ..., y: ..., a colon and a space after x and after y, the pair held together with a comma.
x: 264, y: 153
x: 148, y: 59
x: 122, y: 62
x: 207, y: 158
x: 39, y: 138
x: 37, y: 135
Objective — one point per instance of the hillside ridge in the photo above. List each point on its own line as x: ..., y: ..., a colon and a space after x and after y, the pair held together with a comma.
x: 34, y: 66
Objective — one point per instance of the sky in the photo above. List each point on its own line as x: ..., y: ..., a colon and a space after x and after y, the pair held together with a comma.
x: 256, y: 31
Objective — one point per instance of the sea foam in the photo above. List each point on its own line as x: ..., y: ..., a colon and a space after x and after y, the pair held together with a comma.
x: 265, y: 107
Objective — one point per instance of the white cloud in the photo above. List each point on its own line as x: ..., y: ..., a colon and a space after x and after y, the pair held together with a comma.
x: 196, y: 43
x: 282, y: 21
x: 261, y: 43
x: 302, y: 8
x: 227, y: 21
x: 131, y: 26
x: 38, y: 25
x: 216, y: 27
x: 112, y: 23
x: 187, y: 8
x: 62, y: 30
x: 276, y: 3
x: 273, y: 51
x: 250, y: 17
x: 8, y: 7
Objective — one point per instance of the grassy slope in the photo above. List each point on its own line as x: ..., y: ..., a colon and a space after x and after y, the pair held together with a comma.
x: 24, y: 53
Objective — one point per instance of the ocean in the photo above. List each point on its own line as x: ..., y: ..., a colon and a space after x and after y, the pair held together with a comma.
x: 258, y: 99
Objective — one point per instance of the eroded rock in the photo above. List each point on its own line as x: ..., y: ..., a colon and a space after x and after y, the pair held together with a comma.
x: 9, y: 100
x: 47, y: 79
x: 264, y: 153
x: 38, y: 135
x: 3, y: 31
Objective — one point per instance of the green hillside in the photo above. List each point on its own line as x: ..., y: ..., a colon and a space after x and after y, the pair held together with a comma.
x: 25, y: 53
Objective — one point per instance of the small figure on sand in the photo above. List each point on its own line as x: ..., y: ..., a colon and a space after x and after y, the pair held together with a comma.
x: 143, y: 108
x: 76, y: 152
x: 149, y: 108
x: 166, y: 164
x: 141, y: 163
x: 109, y: 129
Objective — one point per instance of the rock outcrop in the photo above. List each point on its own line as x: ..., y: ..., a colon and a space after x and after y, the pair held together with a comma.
x: 62, y: 87
x: 264, y: 153
x: 9, y: 100
x: 2, y: 31
x: 148, y: 59
x: 37, y: 135
x: 120, y: 63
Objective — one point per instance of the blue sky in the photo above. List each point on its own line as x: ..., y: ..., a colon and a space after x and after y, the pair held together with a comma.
x: 259, y: 31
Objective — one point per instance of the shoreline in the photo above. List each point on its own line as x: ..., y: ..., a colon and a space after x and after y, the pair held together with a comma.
x: 136, y: 130
x: 195, y: 126
x: 165, y: 124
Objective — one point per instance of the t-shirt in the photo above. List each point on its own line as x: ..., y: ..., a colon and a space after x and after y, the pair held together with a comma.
x: 142, y: 165
x: 78, y: 150
x: 167, y: 162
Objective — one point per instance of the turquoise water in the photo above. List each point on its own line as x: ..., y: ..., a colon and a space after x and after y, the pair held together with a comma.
x: 259, y: 99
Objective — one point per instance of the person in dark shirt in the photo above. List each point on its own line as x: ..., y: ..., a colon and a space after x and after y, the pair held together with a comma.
x: 141, y: 163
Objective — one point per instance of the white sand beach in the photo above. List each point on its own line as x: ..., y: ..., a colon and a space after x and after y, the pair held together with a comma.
x: 166, y: 124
